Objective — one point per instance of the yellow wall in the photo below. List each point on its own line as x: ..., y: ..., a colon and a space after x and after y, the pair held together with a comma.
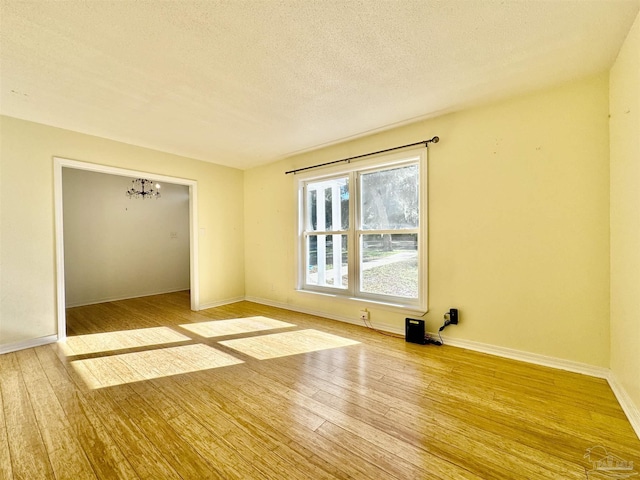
x: 518, y: 219
x: 625, y: 215
x: 27, y: 260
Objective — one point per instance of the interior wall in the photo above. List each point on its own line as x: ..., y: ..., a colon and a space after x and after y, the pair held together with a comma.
x: 625, y: 215
x: 117, y: 247
x: 518, y: 224
x: 27, y: 241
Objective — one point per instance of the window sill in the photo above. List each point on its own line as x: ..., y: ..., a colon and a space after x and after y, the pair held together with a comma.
x: 396, y: 307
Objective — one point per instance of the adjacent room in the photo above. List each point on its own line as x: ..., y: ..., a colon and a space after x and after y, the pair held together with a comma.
x: 320, y: 239
x: 116, y: 247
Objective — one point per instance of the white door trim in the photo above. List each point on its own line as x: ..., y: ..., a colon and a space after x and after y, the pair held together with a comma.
x: 60, y: 163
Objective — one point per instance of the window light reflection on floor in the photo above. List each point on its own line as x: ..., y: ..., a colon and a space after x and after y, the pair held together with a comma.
x: 120, y: 340
x: 288, y: 343
x: 162, y: 361
x: 235, y: 326
x: 147, y: 365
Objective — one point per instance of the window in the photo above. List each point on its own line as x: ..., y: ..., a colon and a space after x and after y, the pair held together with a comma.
x: 362, y: 231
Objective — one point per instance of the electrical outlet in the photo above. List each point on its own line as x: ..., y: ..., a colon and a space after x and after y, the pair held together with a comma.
x: 364, y: 315
x: 453, y: 316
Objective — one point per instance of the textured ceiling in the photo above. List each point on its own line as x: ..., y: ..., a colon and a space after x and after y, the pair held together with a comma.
x: 246, y: 82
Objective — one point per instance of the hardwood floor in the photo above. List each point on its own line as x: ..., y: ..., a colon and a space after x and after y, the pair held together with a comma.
x: 235, y: 393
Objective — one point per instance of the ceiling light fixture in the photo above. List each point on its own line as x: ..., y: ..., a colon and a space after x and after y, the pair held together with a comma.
x: 143, y: 188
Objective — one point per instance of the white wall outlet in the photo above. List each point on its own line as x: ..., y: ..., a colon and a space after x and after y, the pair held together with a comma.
x: 364, y: 315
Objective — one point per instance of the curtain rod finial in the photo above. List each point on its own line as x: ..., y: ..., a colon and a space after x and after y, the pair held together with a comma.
x: 435, y: 140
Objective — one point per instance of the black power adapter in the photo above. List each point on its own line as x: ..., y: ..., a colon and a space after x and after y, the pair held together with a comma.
x: 450, y: 318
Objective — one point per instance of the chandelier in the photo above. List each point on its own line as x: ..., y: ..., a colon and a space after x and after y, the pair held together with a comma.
x: 143, y: 188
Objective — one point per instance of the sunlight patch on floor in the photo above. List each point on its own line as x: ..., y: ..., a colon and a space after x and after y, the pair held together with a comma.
x: 221, y: 328
x: 120, y: 340
x: 287, y: 343
x: 135, y: 367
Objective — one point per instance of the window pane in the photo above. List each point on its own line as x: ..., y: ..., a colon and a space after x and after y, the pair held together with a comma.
x: 327, y: 261
x: 312, y: 209
x: 389, y: 265
x: 328, y: 205
x: 390, y: 199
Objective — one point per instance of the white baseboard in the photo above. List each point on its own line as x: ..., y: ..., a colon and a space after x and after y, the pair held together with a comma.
x: 534, y: 358
x: 204, y: 306
x: 31, y: 343
x: 630, y: 409
x: 317, y: 313
x: 125, y: 297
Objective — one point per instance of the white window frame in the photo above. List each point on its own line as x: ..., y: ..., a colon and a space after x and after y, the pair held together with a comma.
x: 353, y: 171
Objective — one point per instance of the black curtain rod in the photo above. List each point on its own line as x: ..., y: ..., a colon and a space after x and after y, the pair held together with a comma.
x: 426, y: 142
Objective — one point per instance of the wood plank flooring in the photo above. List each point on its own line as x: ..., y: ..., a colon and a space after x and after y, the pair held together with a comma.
x: 147, y: 389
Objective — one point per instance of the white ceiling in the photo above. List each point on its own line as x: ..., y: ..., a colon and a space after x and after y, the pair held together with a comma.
x: 246, y: 82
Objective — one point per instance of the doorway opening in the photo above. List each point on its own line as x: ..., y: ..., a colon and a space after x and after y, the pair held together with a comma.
x: 61, y: 165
